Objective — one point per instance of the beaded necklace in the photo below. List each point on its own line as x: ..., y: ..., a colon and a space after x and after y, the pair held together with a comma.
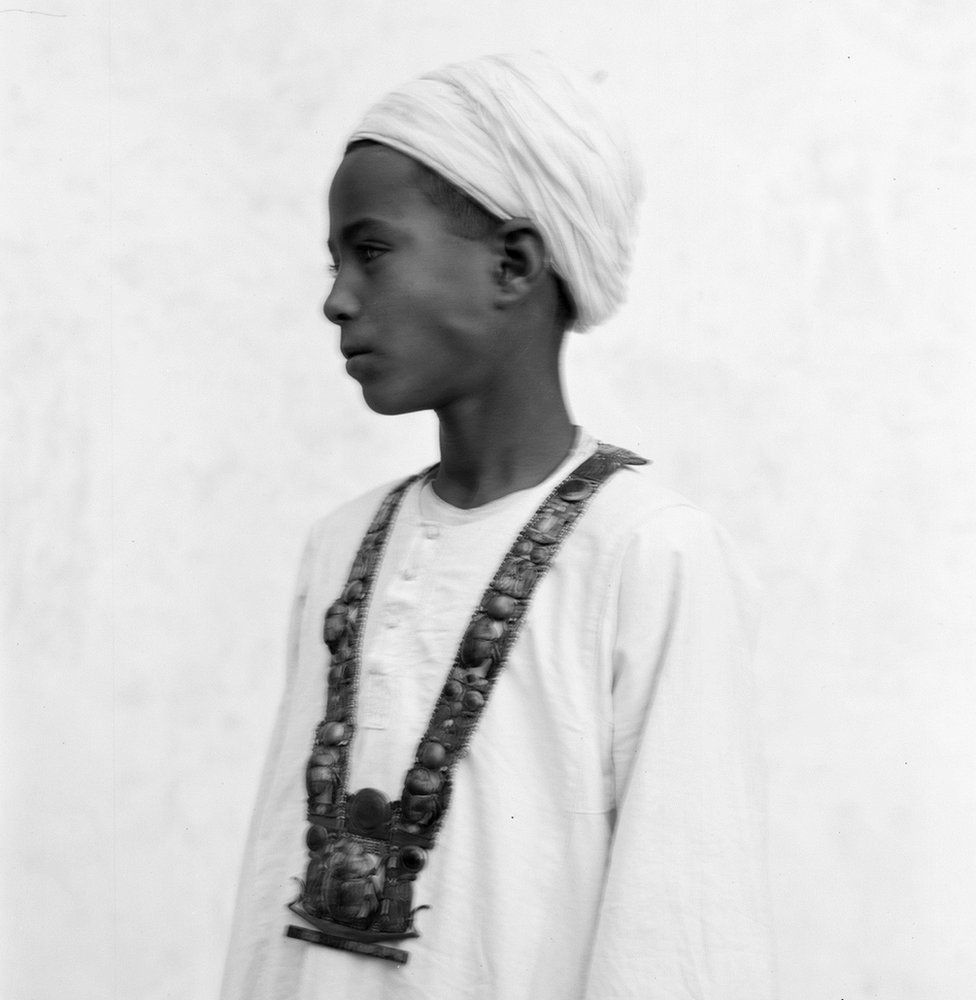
x: 365, y: 852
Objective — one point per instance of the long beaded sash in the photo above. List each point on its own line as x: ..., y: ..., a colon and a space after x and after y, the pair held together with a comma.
x: 365, y: 851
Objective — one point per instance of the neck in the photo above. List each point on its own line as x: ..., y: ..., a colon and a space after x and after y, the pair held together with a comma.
x: 496, y: 446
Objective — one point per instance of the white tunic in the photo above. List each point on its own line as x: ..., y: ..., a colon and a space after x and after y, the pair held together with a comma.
x: 604, y: 837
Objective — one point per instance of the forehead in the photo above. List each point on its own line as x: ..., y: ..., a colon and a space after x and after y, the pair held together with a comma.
x: 376, y: 180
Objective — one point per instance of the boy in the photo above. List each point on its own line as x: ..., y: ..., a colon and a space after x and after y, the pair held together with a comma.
x: 515, y: 735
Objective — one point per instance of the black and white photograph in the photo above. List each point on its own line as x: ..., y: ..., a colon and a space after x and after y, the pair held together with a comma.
x: 489, y: 504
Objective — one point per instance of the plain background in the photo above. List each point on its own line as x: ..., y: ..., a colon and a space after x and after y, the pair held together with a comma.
x: 797, y: 355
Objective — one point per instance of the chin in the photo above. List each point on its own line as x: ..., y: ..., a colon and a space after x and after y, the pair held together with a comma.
x: 391, y: 405
x: 394, y: 396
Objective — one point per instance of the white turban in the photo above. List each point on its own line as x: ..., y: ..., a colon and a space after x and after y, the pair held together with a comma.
x: 527, y: 139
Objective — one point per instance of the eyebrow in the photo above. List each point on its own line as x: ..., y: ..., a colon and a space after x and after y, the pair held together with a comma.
x: 352, y: 230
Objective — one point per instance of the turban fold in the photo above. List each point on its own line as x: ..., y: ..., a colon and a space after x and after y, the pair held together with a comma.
x: 525, y: 138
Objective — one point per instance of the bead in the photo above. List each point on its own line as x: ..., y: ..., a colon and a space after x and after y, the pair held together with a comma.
x: 335, y: 624
x: 319, y: 780
x: 421, y: 809
x: 501, y: 606
x: 420, y: 781
x: 317, y: 837
x: 487, y: 628
x: 367, y: 811
x: 452, y: 689
x: 340, y: 672
x: 432, y: 754
x: 547, y: 524
x: 517, y: 578
x: 575, y: 490
x: 473, y: 700
x: 475, y: 651
x: 541, y: 554
x: 354, y: 590
x: 413, y: 858
x: 523, y: 547
x: 323, y: 756
x: 333, y: 733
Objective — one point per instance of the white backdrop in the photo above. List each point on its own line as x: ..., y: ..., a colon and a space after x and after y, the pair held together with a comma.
x: 797, y: 356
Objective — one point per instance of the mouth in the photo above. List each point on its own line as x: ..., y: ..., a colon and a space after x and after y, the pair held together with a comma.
x: 358, y: 362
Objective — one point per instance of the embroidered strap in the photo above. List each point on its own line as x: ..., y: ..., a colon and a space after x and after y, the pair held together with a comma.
x: 328, y: 767
x: 366, y: 851
x: 491, y: 632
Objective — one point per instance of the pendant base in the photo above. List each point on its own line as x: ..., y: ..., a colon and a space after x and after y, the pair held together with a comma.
x: 370, y: 948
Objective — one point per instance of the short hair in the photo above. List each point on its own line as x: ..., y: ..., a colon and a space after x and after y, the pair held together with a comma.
x: 466, y: 218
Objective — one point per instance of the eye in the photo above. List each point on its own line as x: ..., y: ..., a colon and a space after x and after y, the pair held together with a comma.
x: 368, y: 252
x: 364, y: 253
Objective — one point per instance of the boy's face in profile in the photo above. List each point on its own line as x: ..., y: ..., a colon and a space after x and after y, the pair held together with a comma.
x: 413, y: 300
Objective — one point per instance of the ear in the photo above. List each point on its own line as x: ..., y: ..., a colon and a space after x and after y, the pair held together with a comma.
x: 520, y: 259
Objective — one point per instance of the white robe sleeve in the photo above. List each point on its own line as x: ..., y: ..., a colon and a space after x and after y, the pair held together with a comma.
x: 684, y: 912
x: 256, y: 963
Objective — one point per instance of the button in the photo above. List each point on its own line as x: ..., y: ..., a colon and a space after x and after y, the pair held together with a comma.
x: 368, y: 811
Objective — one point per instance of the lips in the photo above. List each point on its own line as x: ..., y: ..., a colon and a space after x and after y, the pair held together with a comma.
x: 358, y: 361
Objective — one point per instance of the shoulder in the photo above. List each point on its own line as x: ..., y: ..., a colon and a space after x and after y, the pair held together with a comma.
x: 670, y: 562
x: 336, y: 536
x: 657, y: 533
x: 355, y: 513
x: 637, y: 504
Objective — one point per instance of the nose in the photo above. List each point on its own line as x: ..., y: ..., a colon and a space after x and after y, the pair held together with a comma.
x: 341, y: 305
